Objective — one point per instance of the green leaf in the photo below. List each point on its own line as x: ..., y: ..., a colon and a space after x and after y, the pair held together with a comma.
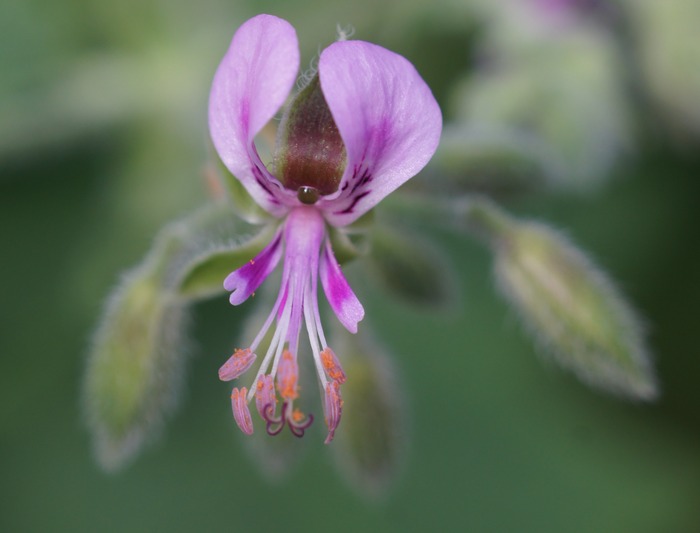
x: 198, y: 252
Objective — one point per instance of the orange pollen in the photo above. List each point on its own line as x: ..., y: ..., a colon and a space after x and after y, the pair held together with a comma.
x: 288, y: 382
x: 297, y: 415
x: 235, y: 393
x: 334, y: 371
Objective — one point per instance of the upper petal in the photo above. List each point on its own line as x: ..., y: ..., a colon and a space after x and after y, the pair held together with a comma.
x: 388, y: 119
x: 251, y: 84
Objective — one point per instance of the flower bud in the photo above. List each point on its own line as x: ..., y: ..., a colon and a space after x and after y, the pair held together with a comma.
x: 369, y: 444
x: 135, y: 367
x: 136, y: 363
x: 573, y: 309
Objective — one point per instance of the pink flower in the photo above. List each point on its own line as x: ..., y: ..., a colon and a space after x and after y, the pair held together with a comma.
x: 365, y: 124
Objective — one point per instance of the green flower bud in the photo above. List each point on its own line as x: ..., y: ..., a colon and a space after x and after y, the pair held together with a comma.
x: 135, y: 368
x: 572, y: 307
x: 136, y: 364
x: 370, y: 441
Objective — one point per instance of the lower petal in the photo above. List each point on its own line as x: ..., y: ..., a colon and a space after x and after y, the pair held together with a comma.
x: 342, y: 300
x: 245, y: 281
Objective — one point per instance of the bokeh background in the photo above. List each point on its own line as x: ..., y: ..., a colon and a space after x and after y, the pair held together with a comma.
x: 103, y: 138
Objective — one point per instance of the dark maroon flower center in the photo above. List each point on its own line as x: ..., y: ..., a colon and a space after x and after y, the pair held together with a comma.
x: 311, y: 156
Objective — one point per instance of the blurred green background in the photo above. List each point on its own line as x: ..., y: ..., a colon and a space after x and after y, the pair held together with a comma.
x: 103, y: 138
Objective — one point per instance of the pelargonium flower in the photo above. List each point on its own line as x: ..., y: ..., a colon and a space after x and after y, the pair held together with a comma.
x: 364, y: 124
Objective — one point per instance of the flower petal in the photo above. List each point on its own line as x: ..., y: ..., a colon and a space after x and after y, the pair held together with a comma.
x: 342, y: 300
x: 245, y: 281
x: 251, y: 84
x: 388, y: 119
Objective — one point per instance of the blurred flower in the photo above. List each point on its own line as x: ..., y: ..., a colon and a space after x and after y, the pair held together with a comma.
x: 362, y: 126
x: 669, y: 57
x: 547, y: 94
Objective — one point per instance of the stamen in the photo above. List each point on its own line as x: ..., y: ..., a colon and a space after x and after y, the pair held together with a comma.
x: 241, y: 413
x: 265, y: 395
x: 297, y: 424
x: 237, y: 364
x: 273, y: 424
x: 333, y: 407
x: 332, y: 366
x: 287, y: 377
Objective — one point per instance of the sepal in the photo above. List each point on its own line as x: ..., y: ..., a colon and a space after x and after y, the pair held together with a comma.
x: 198, y: 252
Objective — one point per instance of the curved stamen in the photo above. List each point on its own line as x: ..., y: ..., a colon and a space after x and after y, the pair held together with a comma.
x: 298, y: 428
x: 273, y: 425
x: 265, y: 395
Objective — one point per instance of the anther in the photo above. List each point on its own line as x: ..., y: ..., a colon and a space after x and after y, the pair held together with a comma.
x: 333, y: 407
x: 237, y: 364
x: 265, y: 395
x: 332, y: 366
x: 287, y: 376
x: 241, y: 413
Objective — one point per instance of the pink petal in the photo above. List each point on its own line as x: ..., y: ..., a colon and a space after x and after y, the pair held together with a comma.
x: 342, y: 300
x: 246, y: 280
x: 388, y: 119
x: 250, y: 85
